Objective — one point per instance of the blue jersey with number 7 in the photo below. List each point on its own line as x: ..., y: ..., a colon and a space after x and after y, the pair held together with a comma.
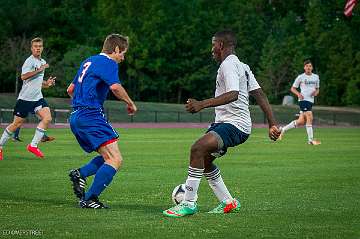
x: 92, y: 81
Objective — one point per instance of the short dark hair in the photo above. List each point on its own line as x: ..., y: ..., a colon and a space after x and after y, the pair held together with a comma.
x: 115, y: 40
x: 36, y: 39
x: 227, y: 37
x: 307, y: 61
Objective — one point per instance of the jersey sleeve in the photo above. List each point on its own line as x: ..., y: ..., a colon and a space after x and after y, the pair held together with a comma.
x: 28, y: 66
x: 297, y: 82
x: 110, y: 74
x: 252, y: 82
x: 231, y: 77
x: 317, y: 83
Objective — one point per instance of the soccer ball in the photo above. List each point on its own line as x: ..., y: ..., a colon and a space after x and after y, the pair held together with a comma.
x: 178, y: 194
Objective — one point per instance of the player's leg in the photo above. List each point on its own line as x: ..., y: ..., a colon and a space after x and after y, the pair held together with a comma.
x: 8, y: 132
x: 104, y: 175
x: 309, y: 129
x: 16, y: 136
x: 202, y: 147
x: 45, y: 115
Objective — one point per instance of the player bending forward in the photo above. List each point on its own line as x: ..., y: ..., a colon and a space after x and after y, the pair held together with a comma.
x: 234, y: 83
x: 97, y: 75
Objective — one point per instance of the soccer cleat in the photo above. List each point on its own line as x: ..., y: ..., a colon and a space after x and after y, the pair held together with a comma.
x: 314, y: 142
x: 92, y: 203
x: 47, y: 138
x: 78, y: 183
x: 35, y: 150
x: 1, y: 154
x: 181, y: 210
x: 234, y: 206
x: 16, y: 139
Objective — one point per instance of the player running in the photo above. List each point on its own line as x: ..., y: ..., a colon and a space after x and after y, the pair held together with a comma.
x: 309, y: 84
x: 97, y: 75
x: 234, y: 82
x: 30, y: 99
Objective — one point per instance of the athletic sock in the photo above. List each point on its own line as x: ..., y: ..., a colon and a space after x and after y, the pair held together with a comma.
x: 291, y: 125
x: 16, y: 133
x: 217, y: 184
x: 102, y: 179
x: 39, y: 133
x: 309, y: 131
x: 192, y: 184
x: 5, y: 137
x: 92, y: 167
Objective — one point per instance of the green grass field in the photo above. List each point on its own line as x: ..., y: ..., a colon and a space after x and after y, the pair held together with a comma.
x: 287, y: 189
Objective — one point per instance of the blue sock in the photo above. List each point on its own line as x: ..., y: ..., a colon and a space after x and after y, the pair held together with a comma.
x: 92, y: 167
x: 102, y: 179
x: 16, y: 133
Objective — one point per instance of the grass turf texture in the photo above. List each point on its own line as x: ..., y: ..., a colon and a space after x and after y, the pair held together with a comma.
x: 287, y: 189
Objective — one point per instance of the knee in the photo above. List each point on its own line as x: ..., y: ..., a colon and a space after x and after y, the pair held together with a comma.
x: 115, y: 161
x: 197, y: 149
x: 300, y: 122
x: 47, y: 119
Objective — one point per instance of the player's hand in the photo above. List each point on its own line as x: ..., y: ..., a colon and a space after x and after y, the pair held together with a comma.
x: 274, y: 132
x: 193, y: 106
x: 301, y: 97
x: 43, y: 67
x: 131, y: 109
x: 314, y: 93
x: 51, y: 81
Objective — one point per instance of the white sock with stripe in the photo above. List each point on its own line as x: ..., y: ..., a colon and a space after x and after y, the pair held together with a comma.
x: 310, y: 133
x: 217, y: 184
x: 5, y: 137
x: 39, y: 133
x: 291, y: 125
x: 192, y: 184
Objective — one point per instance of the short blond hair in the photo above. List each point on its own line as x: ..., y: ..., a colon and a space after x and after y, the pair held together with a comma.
x: 36, y: 39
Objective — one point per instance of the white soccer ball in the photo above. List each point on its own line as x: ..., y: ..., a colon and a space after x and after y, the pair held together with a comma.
x: 178, y: 194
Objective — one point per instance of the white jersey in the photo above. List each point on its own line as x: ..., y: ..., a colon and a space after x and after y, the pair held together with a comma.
x: 31, y: 88
x: 308, y: 84
x: 234, y: 75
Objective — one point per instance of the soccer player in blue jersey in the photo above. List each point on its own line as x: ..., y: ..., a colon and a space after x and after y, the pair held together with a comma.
x: 97, y: 75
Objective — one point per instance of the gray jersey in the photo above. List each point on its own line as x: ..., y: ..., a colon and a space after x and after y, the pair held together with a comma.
x: 31, y: 88
x: 234, y: 75
x: 308, y: 84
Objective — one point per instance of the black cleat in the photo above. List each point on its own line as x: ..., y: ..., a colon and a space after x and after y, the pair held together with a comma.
x: 78, y: 183
x: 17, y: 139
x: 92, y: 203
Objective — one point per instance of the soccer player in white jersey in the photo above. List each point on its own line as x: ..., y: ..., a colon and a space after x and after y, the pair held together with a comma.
x: 30, y: 99
x: 309, y: 84
x: 234, y: 83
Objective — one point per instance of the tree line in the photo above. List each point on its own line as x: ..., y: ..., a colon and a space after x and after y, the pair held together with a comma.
x: 169, y: 58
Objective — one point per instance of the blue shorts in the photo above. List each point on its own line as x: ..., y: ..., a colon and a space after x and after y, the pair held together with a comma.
x: 228, y: 136
x: 305, y: 106
x: 91, y: 128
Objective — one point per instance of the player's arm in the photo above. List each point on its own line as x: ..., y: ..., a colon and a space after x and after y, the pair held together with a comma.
x: 49, y: 82
x: 30, y: 74
x: 316, y: 92
x: 194, y: 106
x: 121, y: 94
x: 70, y: 90
x: 297, y: 93
x: 263, y: 102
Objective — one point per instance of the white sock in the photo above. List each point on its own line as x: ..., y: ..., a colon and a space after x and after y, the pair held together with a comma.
x: 217, y: 184
x: 39, y: 133
x: 309, y: 131
x: 192, y: 184
x: 291, y: 125
x: 5, y: 137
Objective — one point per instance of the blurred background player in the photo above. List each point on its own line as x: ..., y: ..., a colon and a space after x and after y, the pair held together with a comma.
x: 97, y: 75
x: 234, y: 82
x: 30, y: 99
x: 309, y: 84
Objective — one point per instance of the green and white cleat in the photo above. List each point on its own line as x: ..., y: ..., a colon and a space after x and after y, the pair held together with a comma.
x: 222, y: 208
x: 181, y: 210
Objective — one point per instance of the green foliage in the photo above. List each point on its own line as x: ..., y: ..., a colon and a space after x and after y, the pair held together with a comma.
x: 169, y: 58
